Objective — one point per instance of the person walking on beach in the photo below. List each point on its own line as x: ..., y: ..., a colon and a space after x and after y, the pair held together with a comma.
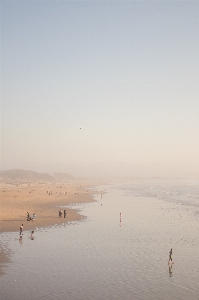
x: 170, y: 254
x: 64, y: 213
x: 60, y: 213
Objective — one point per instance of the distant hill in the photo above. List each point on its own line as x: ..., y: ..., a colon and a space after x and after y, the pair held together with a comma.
x: 63, y: 177
x: 19, y: 175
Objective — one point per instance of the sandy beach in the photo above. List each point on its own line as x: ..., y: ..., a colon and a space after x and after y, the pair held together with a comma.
x: 43, y: 199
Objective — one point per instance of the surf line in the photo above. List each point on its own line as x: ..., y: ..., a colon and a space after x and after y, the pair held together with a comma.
x: 183, y: 288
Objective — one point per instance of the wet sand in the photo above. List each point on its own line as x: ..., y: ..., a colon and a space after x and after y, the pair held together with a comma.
x: 105, y: 258
x: 5, y: 254
x: 44, y: 200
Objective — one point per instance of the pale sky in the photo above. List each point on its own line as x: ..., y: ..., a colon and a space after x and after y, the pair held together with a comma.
x: 127, y: 72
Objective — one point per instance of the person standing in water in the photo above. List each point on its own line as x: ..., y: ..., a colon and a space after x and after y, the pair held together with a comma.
x: 32, y: 234
x: 170, y: 254
x: 21, y: 229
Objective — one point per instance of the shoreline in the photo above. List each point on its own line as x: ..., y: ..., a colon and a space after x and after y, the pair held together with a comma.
x: 43, y: 199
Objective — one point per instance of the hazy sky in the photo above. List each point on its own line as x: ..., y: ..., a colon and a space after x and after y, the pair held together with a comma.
x: 127, y: 72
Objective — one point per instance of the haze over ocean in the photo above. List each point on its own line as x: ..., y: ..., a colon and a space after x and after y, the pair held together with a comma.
x: 127, y: 72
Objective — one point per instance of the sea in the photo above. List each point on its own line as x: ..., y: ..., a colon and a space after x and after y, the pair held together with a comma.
x: 120, y: 251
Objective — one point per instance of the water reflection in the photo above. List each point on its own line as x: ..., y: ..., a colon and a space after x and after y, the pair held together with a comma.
x: 170, y: 271
x: 170, y: 264
x: 20, y: 238
x: 101, y: 261
x: 120, y: 220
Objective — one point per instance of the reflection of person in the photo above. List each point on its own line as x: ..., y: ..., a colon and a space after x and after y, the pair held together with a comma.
x: 120, y: 219
x: 20, y: 238
x: 170, y: 263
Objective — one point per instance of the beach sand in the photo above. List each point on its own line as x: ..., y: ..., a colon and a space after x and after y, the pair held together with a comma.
x: 18, y: 199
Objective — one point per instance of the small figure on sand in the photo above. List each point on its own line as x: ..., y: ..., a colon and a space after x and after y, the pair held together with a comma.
x: 60, y: 213
x: 34, y: 217
x: 64, y: 213
x: 29, y: 217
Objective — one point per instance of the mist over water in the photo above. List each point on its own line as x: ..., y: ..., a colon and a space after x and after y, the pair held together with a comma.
x: 106, y: 257
x: 112, y: 169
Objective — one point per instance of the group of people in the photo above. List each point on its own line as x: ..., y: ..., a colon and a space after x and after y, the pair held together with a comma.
x: 21, y: 231
x: 29, y: 218
x: 60, y: 213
